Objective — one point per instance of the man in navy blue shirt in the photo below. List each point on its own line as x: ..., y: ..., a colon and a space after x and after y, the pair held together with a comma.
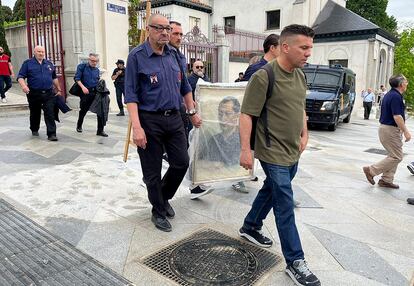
x: 390, y: 132
x: 270, y: 48
x: 87, y: 77
x: 41, y: 77
x: 154, y: 85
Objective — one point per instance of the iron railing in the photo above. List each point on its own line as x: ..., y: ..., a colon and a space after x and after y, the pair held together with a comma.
x: 243, y: 44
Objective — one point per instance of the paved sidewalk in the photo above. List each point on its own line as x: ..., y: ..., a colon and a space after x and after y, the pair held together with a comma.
x: 80, y: 189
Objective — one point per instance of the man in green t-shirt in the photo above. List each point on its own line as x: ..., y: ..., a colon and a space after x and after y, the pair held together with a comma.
x: 288, y: 136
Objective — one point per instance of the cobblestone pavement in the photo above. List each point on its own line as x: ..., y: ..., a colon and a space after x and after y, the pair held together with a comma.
x: 80, y: 190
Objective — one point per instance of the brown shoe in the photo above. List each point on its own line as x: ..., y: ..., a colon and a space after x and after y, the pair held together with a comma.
x: 384, y: 184
x: 367, y: 173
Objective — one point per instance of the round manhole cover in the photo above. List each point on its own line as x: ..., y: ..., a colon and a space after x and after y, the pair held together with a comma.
x: 213, y: 262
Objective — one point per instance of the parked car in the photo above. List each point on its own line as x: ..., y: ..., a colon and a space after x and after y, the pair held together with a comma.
x: 331, y: 94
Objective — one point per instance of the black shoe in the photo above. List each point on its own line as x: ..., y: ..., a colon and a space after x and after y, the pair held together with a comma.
x: 170, y: 211
x: 301, y: 275
x: 102, y: 133
x: 121, y: 114
x: 255, y: 179
x: 35, y: 133
x: 410, y: 201
x: 161, y: 223
x: 255, y: 237
x: 199, y: 192
x: 79, y: 129
x: 52, y: 138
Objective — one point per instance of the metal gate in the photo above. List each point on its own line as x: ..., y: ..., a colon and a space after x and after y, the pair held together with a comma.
x: 43, y: 22
x: 195, y: 46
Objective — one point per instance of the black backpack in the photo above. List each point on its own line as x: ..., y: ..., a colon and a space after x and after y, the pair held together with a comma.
x: 263, y: 115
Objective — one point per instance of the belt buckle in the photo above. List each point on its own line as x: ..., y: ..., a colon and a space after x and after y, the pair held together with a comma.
x: 167, y: 112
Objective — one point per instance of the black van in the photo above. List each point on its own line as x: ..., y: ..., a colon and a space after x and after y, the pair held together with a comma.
x: 331, y: 94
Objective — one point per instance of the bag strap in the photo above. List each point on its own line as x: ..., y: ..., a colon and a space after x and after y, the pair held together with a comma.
x: 271, y: 79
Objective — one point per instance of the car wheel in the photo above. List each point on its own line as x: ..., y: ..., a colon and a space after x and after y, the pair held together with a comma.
x: 332, y: 127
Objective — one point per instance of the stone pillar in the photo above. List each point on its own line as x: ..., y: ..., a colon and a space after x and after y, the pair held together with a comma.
x: 223, y: 56
x: 78, y: 34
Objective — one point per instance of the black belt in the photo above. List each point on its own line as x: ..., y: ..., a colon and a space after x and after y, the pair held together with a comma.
x: 167, y: 112
x: 44, y: 91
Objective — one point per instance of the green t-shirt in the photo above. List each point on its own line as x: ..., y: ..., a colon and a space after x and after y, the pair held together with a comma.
x: 285, y: 110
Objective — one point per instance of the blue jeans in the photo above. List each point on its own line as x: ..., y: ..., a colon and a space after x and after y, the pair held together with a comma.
x: 277, y: 193
x: 4, y: 79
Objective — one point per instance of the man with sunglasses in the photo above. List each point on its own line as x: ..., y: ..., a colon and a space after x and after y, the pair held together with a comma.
x: 154, y: 87
x: 198, y: 72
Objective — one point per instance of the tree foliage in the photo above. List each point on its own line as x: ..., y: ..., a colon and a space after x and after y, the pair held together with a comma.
x: 374, y: 11
x: 404, y: 61
x: 3, y: 42
x: 7, y: 13
x: 19, y: 10
x: 133, y: 31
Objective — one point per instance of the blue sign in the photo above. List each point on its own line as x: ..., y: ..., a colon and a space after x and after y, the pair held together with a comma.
x: 115, y: 8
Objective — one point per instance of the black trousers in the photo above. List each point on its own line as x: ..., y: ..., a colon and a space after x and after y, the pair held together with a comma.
x: 163, y: 131
x: 120, y: 90
x: 367, y: 109
x: 39, y: 100
x: 5, y: 79
x: 85, y: 103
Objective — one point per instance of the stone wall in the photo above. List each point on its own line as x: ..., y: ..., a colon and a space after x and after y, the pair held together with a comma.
x: 16, y: 38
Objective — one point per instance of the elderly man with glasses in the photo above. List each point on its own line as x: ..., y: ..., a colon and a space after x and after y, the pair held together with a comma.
x: 197, y: 73
x: 155, y: 87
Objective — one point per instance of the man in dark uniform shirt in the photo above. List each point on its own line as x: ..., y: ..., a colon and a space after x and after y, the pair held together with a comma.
x: 87, y: 77
x: 41, y: 78
x: 118, y: 76
x: 154, y: 85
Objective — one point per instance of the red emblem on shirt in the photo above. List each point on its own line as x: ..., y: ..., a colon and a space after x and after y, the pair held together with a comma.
x: 154, y: 79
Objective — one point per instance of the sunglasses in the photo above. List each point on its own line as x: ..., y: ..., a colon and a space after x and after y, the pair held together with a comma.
x: 199, y: 67
x: 160, y: 28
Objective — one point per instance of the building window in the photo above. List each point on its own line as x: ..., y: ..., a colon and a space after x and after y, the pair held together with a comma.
x: 229, y: 24
x: 343, y: 63
x: 273, y: 20
x: 194, y: 21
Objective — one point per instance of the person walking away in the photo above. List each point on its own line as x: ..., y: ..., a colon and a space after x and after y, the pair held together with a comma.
x: 6, y: 73
x: 118, y: 76
x: 41, y: 78
x: 278, y: 146
x: 87, y: 77
x: 390, y: 133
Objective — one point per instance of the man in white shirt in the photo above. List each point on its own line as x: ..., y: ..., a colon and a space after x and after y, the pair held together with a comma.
x: 368, y: 98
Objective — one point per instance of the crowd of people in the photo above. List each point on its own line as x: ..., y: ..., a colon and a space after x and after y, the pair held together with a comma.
x: 162, y: 109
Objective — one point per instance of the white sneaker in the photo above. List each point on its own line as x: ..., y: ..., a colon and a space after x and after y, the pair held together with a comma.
x: 4, y: 100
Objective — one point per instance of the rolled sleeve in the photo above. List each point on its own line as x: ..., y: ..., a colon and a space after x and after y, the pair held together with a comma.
x: 185, y: 86
x: 131, y: 80
x: 54, y: 76
x: 78, y: 74
x: 23, y: 71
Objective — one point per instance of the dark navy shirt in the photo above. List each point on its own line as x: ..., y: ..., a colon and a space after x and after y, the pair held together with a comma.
x: 88, y: 75
x: 392, y: 104
x: 39, y: 76
x: 252, y: 69
x: 154, y: 81
x: 193, y: 79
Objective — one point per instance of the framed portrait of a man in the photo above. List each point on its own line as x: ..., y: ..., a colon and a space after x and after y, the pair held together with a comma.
x: 215, y: 147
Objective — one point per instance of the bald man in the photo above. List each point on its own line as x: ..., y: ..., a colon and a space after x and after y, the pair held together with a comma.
x: 41, y: 78
x: 155, y: 87
x: 197, y: 73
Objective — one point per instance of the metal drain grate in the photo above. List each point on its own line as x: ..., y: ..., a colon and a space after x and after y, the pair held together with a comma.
x: 208, y: 257
x: 30, y: 255
x: 376, y: 151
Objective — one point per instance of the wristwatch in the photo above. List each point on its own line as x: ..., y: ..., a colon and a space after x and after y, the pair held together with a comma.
x: 192, y: 112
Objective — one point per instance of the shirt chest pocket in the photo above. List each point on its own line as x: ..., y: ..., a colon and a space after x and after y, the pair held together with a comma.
x: 152, y: 78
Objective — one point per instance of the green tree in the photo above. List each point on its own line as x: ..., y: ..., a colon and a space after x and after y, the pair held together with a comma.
x: 19, y: 10
x: 374, y: 11
x: 3, y: 42
x: 404, y: 61
x: 133, y: 31
x: 7, y: 13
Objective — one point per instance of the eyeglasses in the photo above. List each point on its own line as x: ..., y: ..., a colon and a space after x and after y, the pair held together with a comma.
x: 199, y: 67
x: 94, y: 61
x: 160, y: 28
